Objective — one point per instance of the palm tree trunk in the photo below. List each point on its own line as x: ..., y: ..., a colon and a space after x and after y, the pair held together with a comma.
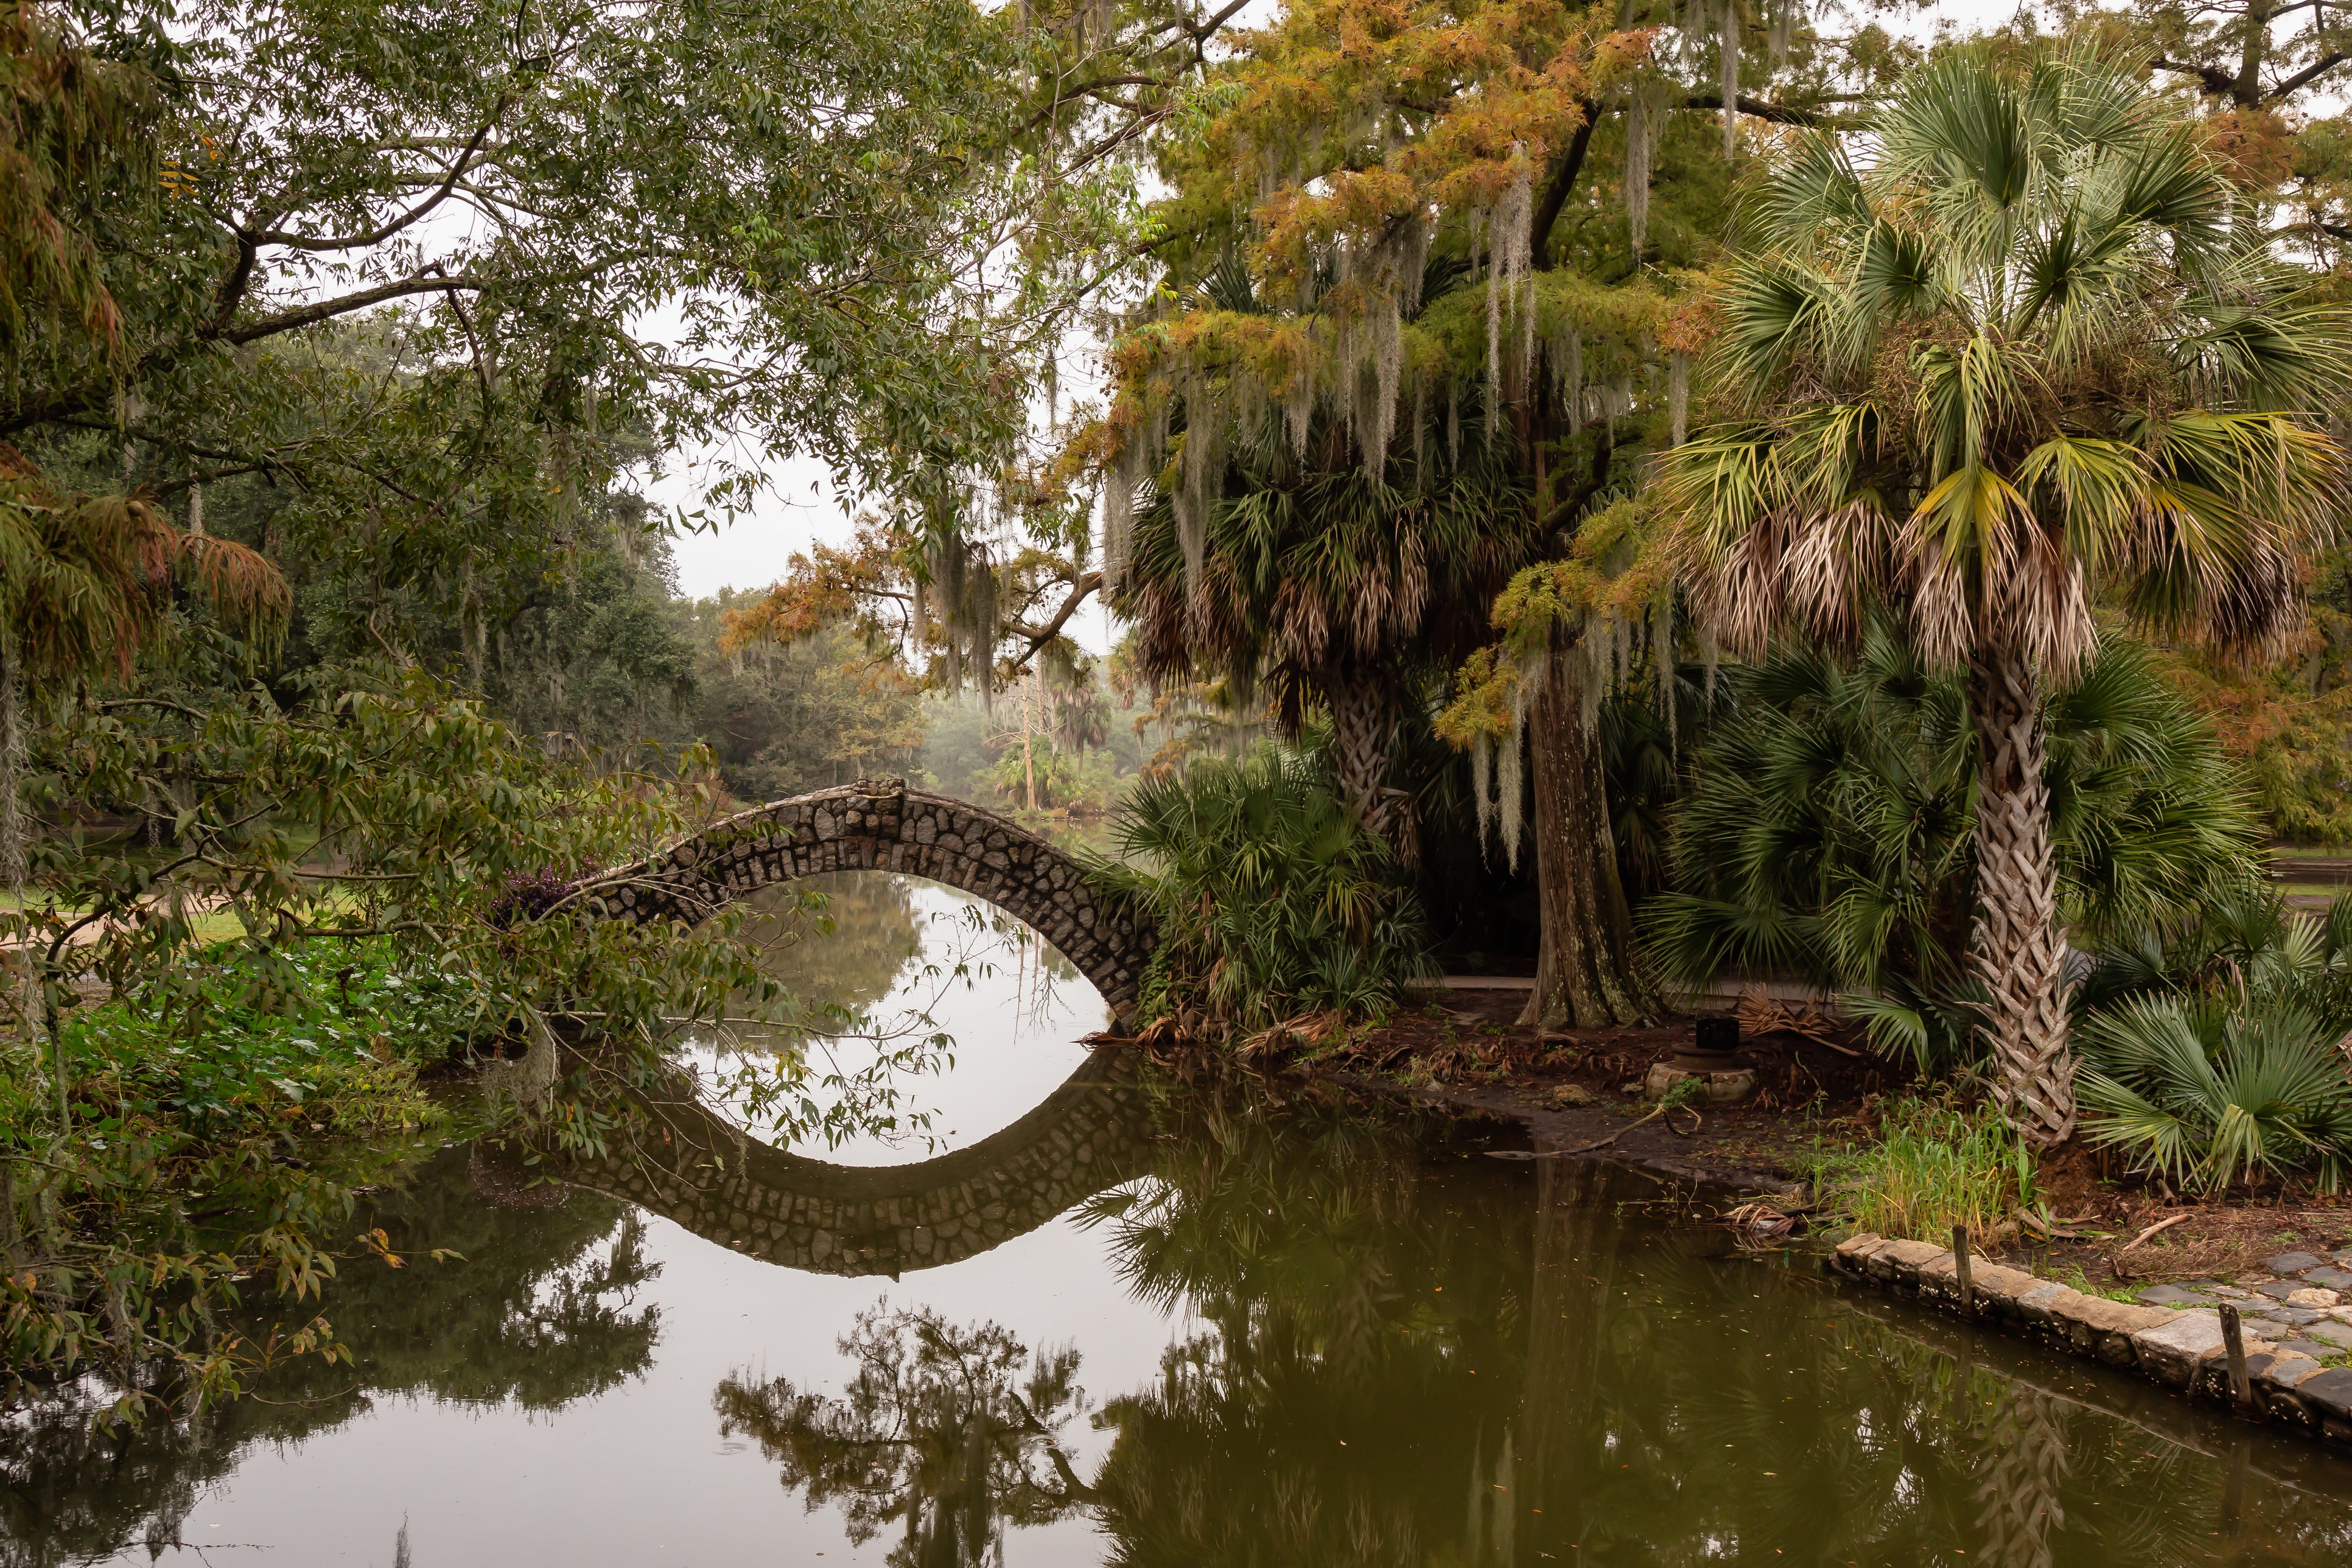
x: 2022, y: 1478
x: 1584, y: 976
x: 1361, y: 723
x: 2016, y: 947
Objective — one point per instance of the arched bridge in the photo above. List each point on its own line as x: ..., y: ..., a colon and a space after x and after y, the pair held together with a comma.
x: 1088, y: 1135
x: 880, y: 825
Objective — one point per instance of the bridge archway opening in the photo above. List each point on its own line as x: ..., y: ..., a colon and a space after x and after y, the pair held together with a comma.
x: 880, y: 825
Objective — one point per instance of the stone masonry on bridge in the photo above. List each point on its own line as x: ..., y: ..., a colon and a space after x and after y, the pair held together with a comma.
x: 880, y: 825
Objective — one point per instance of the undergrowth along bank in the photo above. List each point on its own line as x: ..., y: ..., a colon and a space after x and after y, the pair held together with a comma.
x: 1273, y: 902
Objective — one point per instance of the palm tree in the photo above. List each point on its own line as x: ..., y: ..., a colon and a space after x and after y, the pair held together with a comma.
x: 1320, y: 582
x: 2028, y: 348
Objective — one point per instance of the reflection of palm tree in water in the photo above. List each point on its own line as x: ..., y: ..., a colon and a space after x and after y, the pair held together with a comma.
x: 2021, y: 1476
x: 952, y: 1434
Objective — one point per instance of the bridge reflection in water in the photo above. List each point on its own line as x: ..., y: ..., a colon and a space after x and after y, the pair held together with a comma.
x: 1090, y: 1134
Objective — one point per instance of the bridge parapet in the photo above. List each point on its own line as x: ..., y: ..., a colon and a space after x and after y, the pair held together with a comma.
x: 880, y: 825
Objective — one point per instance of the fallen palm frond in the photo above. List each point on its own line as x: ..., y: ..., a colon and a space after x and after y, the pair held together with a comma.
x: 1760, y: 1015
x: 1757, y: 1222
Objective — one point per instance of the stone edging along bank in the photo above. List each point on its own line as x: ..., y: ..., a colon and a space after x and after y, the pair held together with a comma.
x: 2178, y: 1344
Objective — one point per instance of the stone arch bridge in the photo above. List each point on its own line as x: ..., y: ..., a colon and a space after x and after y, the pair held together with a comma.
x: 1090, y: 1134
x: 880, y: 825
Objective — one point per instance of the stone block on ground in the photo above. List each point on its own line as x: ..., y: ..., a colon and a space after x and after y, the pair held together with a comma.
x: 2036, y: 1305
x: 2170, y: 1352
x: 2328, y: 1394
x: 1900, y: 1261
x: 2276, y: 1383
x: 2293, y: 1262
x: 1998, y: 1287
x: 2328, y: 1278
x: 2096, y: 1326
x: 2280, y: 1368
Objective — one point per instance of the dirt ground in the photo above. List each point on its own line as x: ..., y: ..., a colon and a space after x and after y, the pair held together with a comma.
x: 1818, y: 1085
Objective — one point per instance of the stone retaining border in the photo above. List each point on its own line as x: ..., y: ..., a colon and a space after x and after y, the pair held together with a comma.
x: 2177, y: 1345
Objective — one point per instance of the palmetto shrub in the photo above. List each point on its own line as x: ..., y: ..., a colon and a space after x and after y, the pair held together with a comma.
x: 2203, y: 1094
x: 2015, y: 353
x: 1272, y: 899
x: 1827, y: 830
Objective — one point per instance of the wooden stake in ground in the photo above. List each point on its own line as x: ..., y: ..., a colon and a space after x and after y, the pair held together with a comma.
x: 2234, y: 1342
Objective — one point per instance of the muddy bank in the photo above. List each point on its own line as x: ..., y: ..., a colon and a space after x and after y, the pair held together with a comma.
x: 1818, y: 1087
x: 1581, y: 1089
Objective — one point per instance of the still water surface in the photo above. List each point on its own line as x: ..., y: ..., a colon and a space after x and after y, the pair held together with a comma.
x: 1295, y: 1332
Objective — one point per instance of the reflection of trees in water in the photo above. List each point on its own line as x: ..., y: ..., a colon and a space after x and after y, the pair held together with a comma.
x: 540, y: 1312
x: 948, y: 1434
x: 1271, y: 1435
x: 1408, y: 1356
x: 1316, y: 1246
x: 839, y: 942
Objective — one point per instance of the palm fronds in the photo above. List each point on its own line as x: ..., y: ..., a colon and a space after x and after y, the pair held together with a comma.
x: 1827, y: 827
x: 2078, y: 371
x: 1272, y: 901
x: 2204, y: 1096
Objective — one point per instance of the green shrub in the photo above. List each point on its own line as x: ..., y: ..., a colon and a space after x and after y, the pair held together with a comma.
x: 1933, y: 1165
x: 2203, y: 1093
x: 326, y: 1033
x: 1272, y: 901
x: 1827, y: 827
x: 2243, y: 942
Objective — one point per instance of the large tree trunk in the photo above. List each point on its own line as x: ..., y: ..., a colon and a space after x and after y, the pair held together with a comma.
x: 2016, y: 947
x: 1584, y: 977
x: 1573, y: 1285
x: 1361, y: 722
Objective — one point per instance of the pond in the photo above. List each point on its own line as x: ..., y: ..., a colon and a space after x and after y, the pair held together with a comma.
x: 1101, y: 1315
